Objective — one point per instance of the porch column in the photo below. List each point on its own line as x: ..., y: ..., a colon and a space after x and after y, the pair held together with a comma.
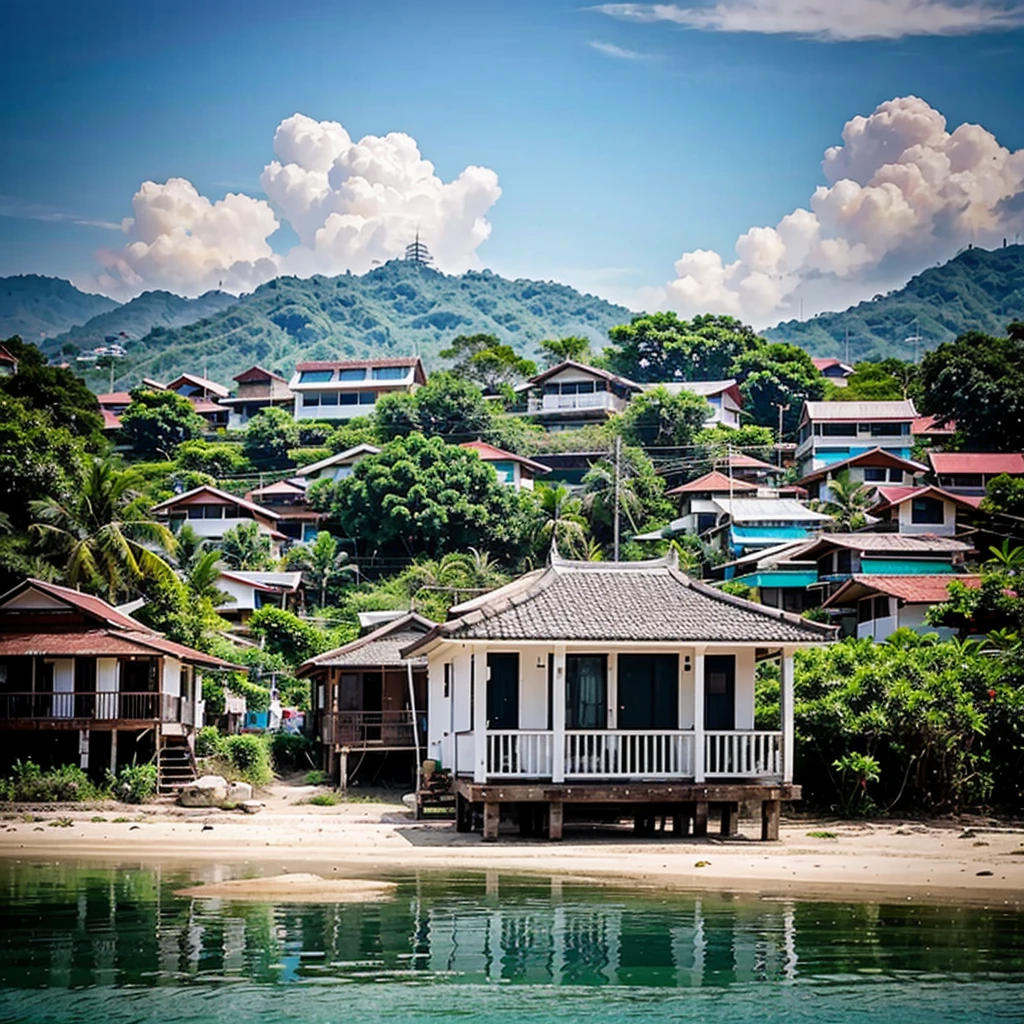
x: 558, y: 717
x: 698, y: 714
x: 786, y: 710
x: 480, y: 682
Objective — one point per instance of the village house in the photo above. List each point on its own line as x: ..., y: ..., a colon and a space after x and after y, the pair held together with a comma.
x: 835, y: 371
x: 747, y: 524
x: 516, y: 471
x: 368, y: 698
x: 212, y: 512
x: 779, y: 577
x: 932, y: 431
x: 610, y: 686
x: 746, y: 467
x: 698, y: 511
x: 924, y: 509
x: 250, y: 590
x: 722, y: 395
x: 874, y: 468
x: 970, y: 472
x: 572, y: 394
x: 112, y: 405
x: 205, y: 395
x: 343, y: 389
x: 832, y: 432
x: 83, y: 683
x: 258, y: 389
x: 296, y: 518
x: 336, y: 467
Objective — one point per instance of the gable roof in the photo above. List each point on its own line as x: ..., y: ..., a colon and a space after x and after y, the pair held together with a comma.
x: 971, y: 463
x: 594, y: 371
x: 608, y: 602
x: 490, y: 453
x: 255, y: 373
x: 909, y: 589
x: 903, y: 410
x: 200, y: 382
x: 737, y: 460
x: 92, y: 607
x: 713, y: 483
x: 382, y: 647
x: 701, y: 388
x: 279, y: 487
x: 874, y: 457
x: 888, y: 497
x: 888, y: 543
x: 769, y: 510
x: 217, y: 493
x: 822, y: 364
x: 341, y: 458
x: 7, y: 357
x: 269, y: 582
x: 114, y: 398
x: 933, y: 425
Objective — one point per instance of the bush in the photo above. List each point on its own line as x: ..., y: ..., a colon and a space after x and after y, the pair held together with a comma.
x: 317, y: 778
x: 249, y: 755
x: 135, y: 783
x: 324, y: 800
x: 28, y: 783
x: 290, y: 750
x: 209, y: 742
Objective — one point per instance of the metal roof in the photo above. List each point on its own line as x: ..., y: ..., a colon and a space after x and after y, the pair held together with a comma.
x: 769, y: 510
x: 868, y: 411
x: 925, y: 589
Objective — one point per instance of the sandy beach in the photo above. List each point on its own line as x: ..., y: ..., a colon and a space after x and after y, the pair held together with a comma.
x: 937, y: 861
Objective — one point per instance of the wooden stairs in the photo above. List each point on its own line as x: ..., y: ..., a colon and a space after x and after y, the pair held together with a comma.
x: 176, y: 765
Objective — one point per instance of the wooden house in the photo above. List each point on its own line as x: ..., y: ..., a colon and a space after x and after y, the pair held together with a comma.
x: 258, y: 389
x: 83, y: 683
x: 610, y: 685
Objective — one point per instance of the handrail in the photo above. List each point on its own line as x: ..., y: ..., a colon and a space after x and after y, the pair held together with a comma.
x: 96, y: 705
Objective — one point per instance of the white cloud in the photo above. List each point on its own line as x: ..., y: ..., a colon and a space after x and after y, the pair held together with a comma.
x: 618, y: 52
x: 833, y: 20
x: 350, y: 203
x: 902, y: 192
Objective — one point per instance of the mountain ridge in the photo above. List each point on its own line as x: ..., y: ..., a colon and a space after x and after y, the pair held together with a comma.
x: 36, y: 306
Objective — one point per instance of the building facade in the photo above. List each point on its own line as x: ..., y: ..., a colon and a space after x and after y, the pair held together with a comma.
x: 831, y: 432
x: 343, y: 389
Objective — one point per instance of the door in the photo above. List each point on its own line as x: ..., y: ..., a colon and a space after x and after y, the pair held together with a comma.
x: 720, y: 692
x: 648, y: 691
x: 503, y: 691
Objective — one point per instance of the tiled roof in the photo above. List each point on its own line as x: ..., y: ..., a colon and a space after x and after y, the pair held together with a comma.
x: 925, y: 589
x: 740, y: 461
x: 987, y: 463
x: 895, y: 543
x: 114, y: 398
x: 489, y: 453
x: 267, y: 581
x: 382, y: 647
x: 875, y: 457
x: 930, y: 425
x: 871, y: 411
x: 6, y: 357
x: 110, y: 421
x: 199, y: 382
x: 827, y: 362
x: 713, y: 483
x: 216, y: 492
x: 607, y: 602
x: 890, y: 496
x: 205, y: 405
x: 255, y: 373
x: 93, y: 607
x: 278, y: 488
x: 95, y: 642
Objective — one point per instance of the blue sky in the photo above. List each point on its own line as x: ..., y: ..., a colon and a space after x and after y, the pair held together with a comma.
x: 613, y: 159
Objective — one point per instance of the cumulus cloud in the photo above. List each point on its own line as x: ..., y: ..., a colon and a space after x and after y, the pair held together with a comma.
x: 902, y: 192
x: 351, y: 203
x: 828, y: 20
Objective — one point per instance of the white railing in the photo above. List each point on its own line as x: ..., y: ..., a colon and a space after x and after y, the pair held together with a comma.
x: 557, y: 403
x: 515, y: 754
x: 617, y: 753
x: 736, y: 754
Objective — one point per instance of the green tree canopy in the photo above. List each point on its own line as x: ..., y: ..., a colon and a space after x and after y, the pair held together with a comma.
x: 245, y: 547
x: 448, y: 405
x: 157, y: 422
x: 890, y: 380
x: 488, y: 362
x: 773, y: 374
x: 658, y: 418
x: 269, y: 435
x: 323, y: 565
x: 558, y: 350
x: 216, y: 459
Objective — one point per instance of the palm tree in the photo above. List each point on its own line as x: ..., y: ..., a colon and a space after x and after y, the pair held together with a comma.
x: 322, y: 564
x: 849, y: 503
x: 599, y: 494
x: 1005, y: 557
x: 102, y: 534
x: 202, y: 579
x: 561, y: 520
x: 188, y: 548
x: 244, y: 547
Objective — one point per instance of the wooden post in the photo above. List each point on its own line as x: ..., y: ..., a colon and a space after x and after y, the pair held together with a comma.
x: 556, y: 819
x: 786, y: 710
x: 730, y: 818
x: 481, y: 682
x: 343, y: 771
x: 113, y: 751
x: 698, y: 715
x: 771, y: 811
x: 558, y: 717
x: 700, y: 818
x: 492, y: 819
x: 463, y: 814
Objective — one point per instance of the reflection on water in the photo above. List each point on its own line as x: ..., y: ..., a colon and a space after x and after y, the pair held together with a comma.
x: 86, y: 934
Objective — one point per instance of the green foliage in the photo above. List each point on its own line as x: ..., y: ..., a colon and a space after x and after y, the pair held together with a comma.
x: 29, y: 783
x: 849, y: 503
x: 134, y: 783
x: 642, y: 501
x: 891, y: 380
x: 432, y: 587
x: 856, y: 771
x: 736, y: 588
x: 323, y: 565
x: 488, y: 362
x: 777, y: 374
x: 317, y: 778
x: 213, y: 459
x: 323, y: 800
x: 1004, y: 496
x: 209, y: 742
x: 157, y: 422
x: 246, y: 547
x: 448, y: 406
x: 269, y: 436
x: 715, y: 443
x: 249, y: 755
x: 291, y: 751
x: 353, y: 432
x: 658, y: 418
x: 559, y: 350
x: 287, y: 635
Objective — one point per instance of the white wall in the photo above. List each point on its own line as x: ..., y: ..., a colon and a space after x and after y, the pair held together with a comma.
x: 171, y: 682
x: 533, y: 688
x: 947, y: 528
x: 244, y: 595
x: 746, y: 669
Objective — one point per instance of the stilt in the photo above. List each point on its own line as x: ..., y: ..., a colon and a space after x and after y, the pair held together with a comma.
x: 463, y: 814
x: 681, y: 820
x: 730, y: 819
x: 556, y: 819
x: 343, y: 771
x: 492, y: 819
x: 700, y: 818
x: 113, y: 751
x: 771, y: 812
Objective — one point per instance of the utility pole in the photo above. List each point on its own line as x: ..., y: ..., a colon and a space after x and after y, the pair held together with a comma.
x: 778, y: 437
x: 618, y: 473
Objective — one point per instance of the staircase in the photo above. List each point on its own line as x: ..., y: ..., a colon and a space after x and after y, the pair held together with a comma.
x: 176, y: 765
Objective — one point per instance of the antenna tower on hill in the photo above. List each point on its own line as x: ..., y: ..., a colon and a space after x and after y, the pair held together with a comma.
x: 418, y: 252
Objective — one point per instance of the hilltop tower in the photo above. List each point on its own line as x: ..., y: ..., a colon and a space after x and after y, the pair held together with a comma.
x: 418, y: 252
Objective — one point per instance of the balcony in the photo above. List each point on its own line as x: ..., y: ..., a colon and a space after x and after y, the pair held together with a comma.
x: 369, y: 729
x: 100, y: 706
x: 596, y: 400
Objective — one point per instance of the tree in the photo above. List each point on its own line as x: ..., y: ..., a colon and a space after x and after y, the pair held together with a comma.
x: 322, y: 564
x: 421, y: 495
x: 560, y: 519
x: 446, y: 406
x: 978, y: 382
x: 157, y: 422
x: 774, y: 374
x: 488, y: 362
x: 214, y: 459
x: 891, y: 380
x: 558, y: 350
x: 285, y: 634
x: 245, y: 547
x: 849, y: 503
x: 657, y: 418
x: 1004, y: 496
x: 433, y: 586
x: 100, y: 536
x: 661, y: 347
x: 269, y: 436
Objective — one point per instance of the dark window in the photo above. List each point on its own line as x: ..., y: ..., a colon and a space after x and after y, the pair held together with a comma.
x: 367, y: 397
x: 447, y: 679
x: 586, y: 691
x: 881, y: 607
x: 315, y: 376
x: 329, y: 398
x: 349, y: 397
x: 874, y: 476
x: 355, y: 374
x: 311, y: 398
x: 648, y: 691
x: 895, y: 476
x: 837, y: 429
x: 864, y: 609
x: 926, y: 510
x: 844, y: 562
x: 390, y: 372
x: 886, y: 429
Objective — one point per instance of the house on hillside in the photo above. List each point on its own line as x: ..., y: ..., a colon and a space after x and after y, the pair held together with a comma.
x: 211, y: 512
x: 933, y: 431
x: 514, y: 470
x: 722, y: 395
x: 748, y: 468
x: 876, y: 606
x: 336, y: 467
x: 874, y: 468
x: 345, y: 388
x: 697, y: 508
x: 778, y: 577
x: 368, y: 697
x: 611, y: 687
x: 572, y: 394
x: 831, y: 432
x: 258, y: 389
x: 296, y: 518
x: 112, y: 406
x: 834, y: 370
x: 749, y: 524
x: 206, y: 397
x: 924, y: 509
x: 83, y: 683
x: 251, y: 590
x: 970, y: 472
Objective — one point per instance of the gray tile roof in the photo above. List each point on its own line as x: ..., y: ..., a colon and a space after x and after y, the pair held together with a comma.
x: 621, y: 601
x: 897, y: 543
x: 380, y: 649
x: 861, y: 410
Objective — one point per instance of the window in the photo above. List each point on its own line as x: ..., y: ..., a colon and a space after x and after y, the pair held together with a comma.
x: 194, y: 512
x: 837, y: 429
x: 586, y: 691
x: 874, y: 476
x: 311, y: 398
x: 315, y: 376
x: 367, y: 397
x: 895, y: 476
x: 886, y: 429
x: 390, y: 372
x: 447, y: 679
x: 329, y: 398
x: 349, y: 398
x: 927, y: 510
x: 844, y: 563
x: 358, y: 373
x: 864, y: 609
x: 881, y: 607
x: 213, y: 511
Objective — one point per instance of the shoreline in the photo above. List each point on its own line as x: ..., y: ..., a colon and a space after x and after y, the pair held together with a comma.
x: 865, y: 862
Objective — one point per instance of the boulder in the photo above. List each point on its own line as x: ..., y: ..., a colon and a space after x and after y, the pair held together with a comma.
x: 207, y: 791
x: 251, y: 806
x: 239, y: 792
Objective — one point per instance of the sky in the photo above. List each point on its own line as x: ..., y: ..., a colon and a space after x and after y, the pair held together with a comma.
x: 764, y: 158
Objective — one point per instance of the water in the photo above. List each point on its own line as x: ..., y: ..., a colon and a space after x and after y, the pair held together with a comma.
x: 111, y: 945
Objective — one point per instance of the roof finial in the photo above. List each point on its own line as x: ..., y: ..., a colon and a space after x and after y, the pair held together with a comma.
x: 554, y: 558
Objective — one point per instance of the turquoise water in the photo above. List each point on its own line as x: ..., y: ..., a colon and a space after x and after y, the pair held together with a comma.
x: 111, y: 945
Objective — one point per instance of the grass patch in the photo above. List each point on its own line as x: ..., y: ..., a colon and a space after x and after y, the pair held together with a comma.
x: 323, y: 800
x: 317, y: 778
x: 822, y: 834
x: 121, y: 819
x: 97, y: 818
x: 61, y: 823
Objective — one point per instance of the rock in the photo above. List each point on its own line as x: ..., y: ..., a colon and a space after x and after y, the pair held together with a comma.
x: 207, y: 791
x: 252, y: 806
x: 239, y: 792
x: 967, y: 833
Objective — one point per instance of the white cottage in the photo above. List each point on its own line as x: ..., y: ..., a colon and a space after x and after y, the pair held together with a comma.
x: 622, y: 684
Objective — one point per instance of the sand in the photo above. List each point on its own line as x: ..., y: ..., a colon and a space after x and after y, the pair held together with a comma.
x: 297, y: 887
x: 931, y: 862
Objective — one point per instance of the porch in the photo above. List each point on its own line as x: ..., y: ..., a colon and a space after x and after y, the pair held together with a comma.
x: 92, y: 710
x: 369, y: 730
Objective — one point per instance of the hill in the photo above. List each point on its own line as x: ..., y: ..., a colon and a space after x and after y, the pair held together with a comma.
x: 395, y: 309
x: 978, y: 290
x: 139, y: 316
x: 32, y: 306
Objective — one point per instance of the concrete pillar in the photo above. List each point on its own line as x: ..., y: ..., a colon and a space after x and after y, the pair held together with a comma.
x: 492, y: 819
x: 556, y: 819
x: 343, y: 771
x: 700, y: 818
x: 83, y: 749
x: 113, y: 751
x: 698, y: 715
x: 771, y: 812
x: 786, y: 710
x: 479, y: 717
x: 558, y: 717
x: 730, y: 819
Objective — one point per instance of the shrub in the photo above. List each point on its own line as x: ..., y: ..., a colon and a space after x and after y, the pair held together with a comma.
x: 324, y: 800
x: 290, y: 750
x: 134, y: 783
x: 209, y: 742
x: 28, y: 783
x: 317, y: 778
x: 250, y: 757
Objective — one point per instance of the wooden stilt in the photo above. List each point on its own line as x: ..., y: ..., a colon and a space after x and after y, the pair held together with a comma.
x: 492, y: 819
x: 700, y: 818
x: 730, y: 819
x: 556, y: 819
x: 463, y: 814
x: 771, y: 812
x: 343, y: 771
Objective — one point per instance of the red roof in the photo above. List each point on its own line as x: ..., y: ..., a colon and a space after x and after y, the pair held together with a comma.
x: 874, y: 458
x: 925, y: 589
x: 205, y: 405
x: 740, y: 461
x: 93, y: 607
x: 490, y: 453
x: 928, y: 425
x: 6, y: 357
x: 110, y: 421
x: 713, y: 483
x: 189, y: 498
x: 973, y: 463
x: 114, y: 398
x: 823, y: 363
x: 897, y: 495
x: 98, y: 642
x: 255, y: 373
